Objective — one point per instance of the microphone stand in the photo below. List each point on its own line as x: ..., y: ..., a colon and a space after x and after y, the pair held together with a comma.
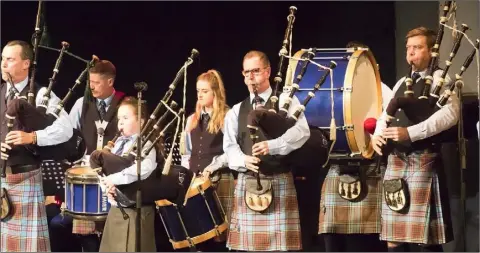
x: 463, y: 161
x: 141, y: 86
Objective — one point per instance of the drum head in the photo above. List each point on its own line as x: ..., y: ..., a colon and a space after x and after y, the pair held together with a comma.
x: 364, y: 101
x: 81, y: 174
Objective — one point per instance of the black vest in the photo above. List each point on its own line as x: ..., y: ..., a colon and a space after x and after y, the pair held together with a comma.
x: 204, y: 147
x: 90, y: 114
x: 401, y: 120
x: 268, y: 164
x: 19, y: 154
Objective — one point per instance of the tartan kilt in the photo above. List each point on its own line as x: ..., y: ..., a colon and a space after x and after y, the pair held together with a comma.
x: 225, y: 188
x: 341, y: 216
x: 27, y: 229
x: 86, y: 227
x: 428, y: 218
x: 276, y: 229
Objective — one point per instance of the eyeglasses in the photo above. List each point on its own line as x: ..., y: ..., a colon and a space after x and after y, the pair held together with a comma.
x: 256, y: 71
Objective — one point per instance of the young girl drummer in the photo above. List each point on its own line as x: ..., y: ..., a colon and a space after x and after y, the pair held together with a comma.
x: 204, y: 140
x: 119, y: 234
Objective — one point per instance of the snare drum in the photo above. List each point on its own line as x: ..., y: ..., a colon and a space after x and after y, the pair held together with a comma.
x: 200, y: 218
x: 84, y: 198
x: 357, y: 95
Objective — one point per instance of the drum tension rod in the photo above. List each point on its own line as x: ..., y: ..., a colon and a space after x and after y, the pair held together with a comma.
x: 343, y: 128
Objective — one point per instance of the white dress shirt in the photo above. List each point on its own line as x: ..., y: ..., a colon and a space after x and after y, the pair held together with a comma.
x: 129, y: 175
x: 291, y: 140
x: 387, y: 95
x: 440, y: 121
x: 76, y: 111
x: 61, y: 129
x: 218, y: 161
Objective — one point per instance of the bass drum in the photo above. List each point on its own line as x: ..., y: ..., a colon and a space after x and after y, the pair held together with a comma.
x: 356, y: 95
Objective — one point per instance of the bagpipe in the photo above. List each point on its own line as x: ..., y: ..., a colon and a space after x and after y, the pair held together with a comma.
x: 314, y: 152
x: 166, y: 183
x: 28, y: 117
x: 430, y: 100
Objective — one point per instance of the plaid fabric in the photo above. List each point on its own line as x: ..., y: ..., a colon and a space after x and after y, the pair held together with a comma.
x: 85, y: 227
x: 27, y: 229
x: 225, y: 189
x: 428, y: 218
x: 341, y: 216
x: 276, y: 229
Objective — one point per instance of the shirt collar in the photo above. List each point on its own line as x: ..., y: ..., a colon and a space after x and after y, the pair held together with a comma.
x: 20, y: 86
x: 203, y: 112
x: 422, y: 73
x: 108, y: 100
x: 265, y: 95
x: 131, y: 138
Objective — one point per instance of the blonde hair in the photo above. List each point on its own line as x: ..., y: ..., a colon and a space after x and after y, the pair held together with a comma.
x: 220, y: 106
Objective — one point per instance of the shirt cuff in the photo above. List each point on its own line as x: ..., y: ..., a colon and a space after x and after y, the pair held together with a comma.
x: 42, y: 136
x: 416, y: 132
x: 273, y: 146
x: 116, y: 178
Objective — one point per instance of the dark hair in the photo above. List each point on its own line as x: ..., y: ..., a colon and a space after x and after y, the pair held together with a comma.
x: 356, y: 43
x: 105, y: 68
x: 133, y: 102
x: 423, y: 31
x: 27, y: 51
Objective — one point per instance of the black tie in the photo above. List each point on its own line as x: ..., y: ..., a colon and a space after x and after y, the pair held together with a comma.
x: 122, y: 144
x: 205, y: 119
x: 103, y: 110
x: 415, y: 77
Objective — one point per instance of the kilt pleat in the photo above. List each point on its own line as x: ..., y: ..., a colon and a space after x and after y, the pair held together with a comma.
x: 276, y: 229
x: 225, y: 189
x: 426, y: 221
x: 27, y: 229
x: 341, y: 216
x: 119, y: 234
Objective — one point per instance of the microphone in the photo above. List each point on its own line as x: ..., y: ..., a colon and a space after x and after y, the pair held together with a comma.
x: 369, y: 125
x: 141, y: 86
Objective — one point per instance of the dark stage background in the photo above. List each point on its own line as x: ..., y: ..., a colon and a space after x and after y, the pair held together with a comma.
x: 150, y: 41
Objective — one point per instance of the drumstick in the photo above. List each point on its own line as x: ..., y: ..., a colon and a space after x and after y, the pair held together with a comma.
x: 189, y: 187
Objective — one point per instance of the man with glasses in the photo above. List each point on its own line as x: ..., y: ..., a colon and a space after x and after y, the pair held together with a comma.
x: 278, y: 227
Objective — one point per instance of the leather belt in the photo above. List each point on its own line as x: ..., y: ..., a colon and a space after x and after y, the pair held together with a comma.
x: 17, y: 169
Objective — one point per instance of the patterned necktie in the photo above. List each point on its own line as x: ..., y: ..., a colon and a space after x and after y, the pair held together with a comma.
x: 122, y: 145
x: 102, y: 109
x: 257, y: 101
x: 415, y: 76
x: 205, y: 119
x: 11, y: 95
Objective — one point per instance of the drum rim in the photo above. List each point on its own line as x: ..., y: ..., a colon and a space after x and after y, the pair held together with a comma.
x: 200, y: 238
x: 80, y: 178
x: 192, y: 192
x: 347, y: 100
